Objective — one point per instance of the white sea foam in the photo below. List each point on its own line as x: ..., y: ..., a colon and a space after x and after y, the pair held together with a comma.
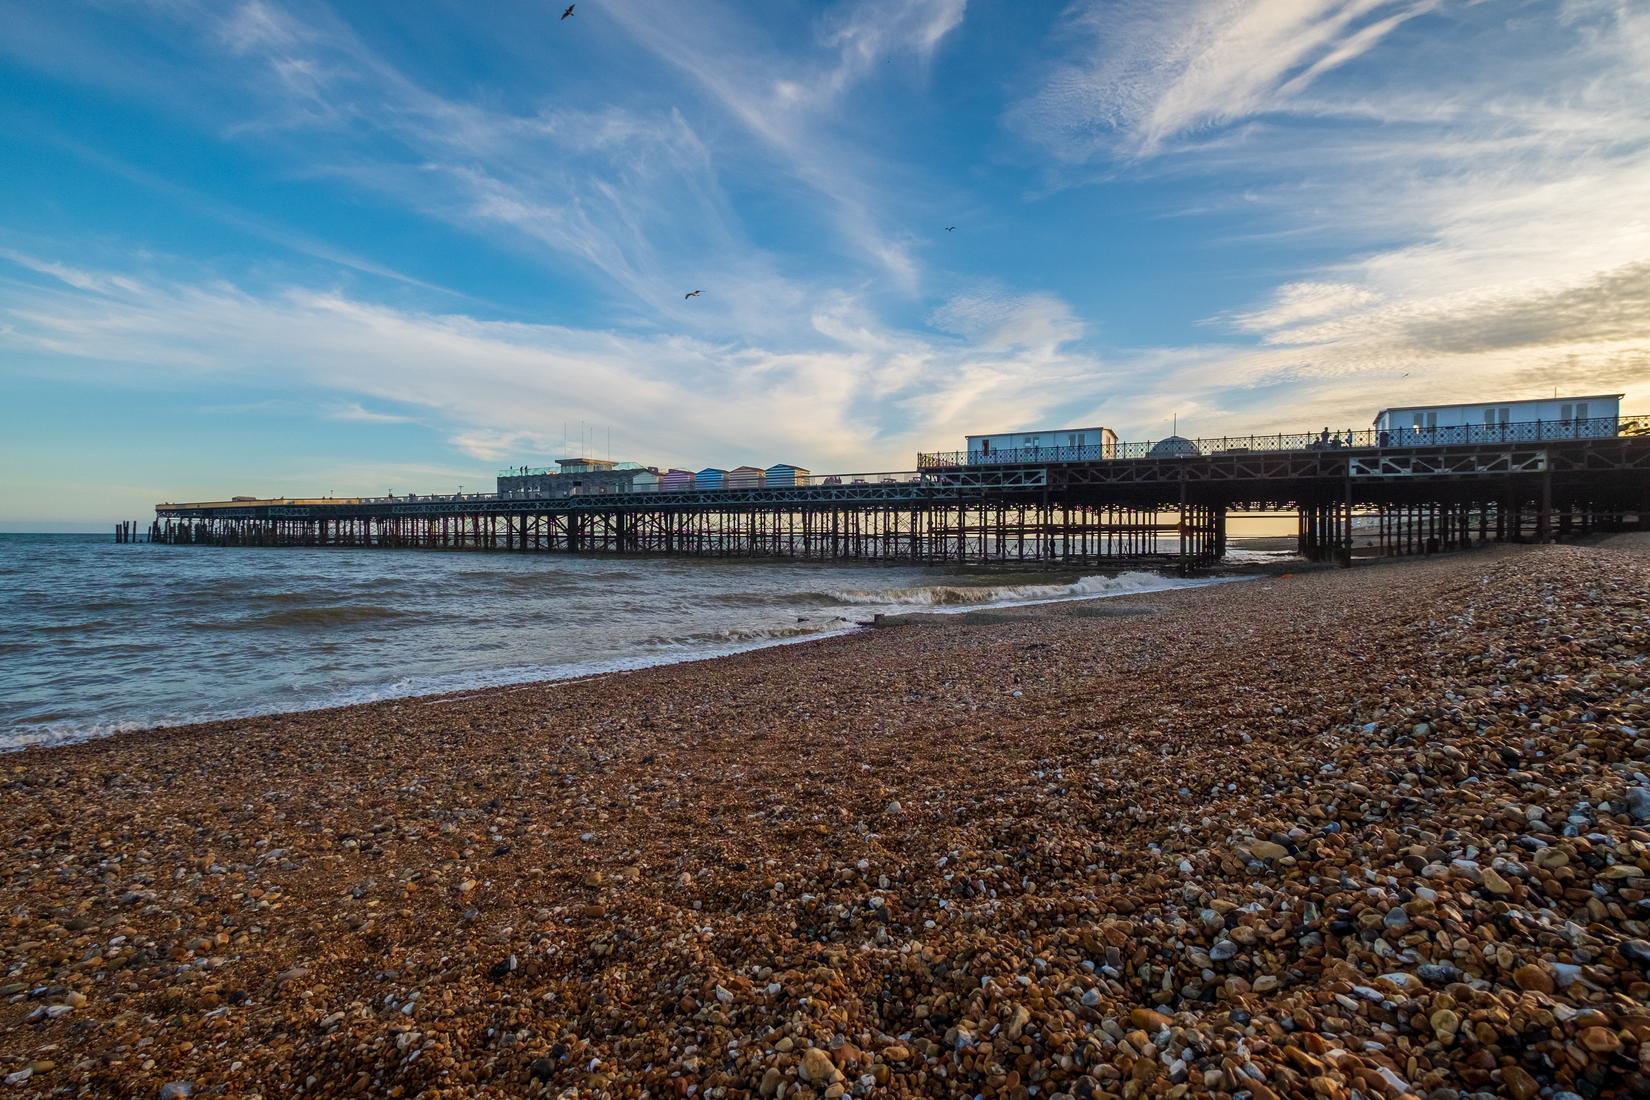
x: 944, y: 597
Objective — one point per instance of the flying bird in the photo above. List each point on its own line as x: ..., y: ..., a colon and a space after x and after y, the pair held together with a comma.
x: 568, y: 12
x: 949, y: 228
x: 691, y: 294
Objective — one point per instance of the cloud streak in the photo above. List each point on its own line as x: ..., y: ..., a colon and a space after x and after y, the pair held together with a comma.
x: 787, y: 105
x: 1151, y: 73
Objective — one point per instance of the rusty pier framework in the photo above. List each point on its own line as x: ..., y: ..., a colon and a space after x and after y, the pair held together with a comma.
x: 1128, y: 503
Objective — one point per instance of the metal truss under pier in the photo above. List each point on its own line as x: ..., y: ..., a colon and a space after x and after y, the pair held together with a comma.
x: 1170, y: 510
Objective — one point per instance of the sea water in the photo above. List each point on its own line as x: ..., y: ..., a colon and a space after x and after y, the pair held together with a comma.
x: 97, y: 637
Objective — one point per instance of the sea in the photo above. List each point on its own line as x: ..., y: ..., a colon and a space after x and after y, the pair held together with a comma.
x: 97, y: 637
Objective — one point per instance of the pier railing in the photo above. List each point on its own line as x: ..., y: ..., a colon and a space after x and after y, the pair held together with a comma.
x: 1529, y: 431
x: 688, y: 485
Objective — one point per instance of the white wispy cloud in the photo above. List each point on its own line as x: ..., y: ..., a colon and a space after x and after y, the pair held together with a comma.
x: 633, y: 195
x: 1297, y: 302
x: 359, y: 413
x: 789, y: 103
x: 857, y: 392
x: 602, y: 188
x: 996, y: 320
x: 1150, y: 71
x: 867, y: 31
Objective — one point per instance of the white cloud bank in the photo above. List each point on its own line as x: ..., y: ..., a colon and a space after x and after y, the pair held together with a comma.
x: 856, y: 393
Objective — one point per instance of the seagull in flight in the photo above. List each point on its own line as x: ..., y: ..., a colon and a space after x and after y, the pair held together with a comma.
x: 569, y: 11
x: 949, y: 228
x: 691, y: 294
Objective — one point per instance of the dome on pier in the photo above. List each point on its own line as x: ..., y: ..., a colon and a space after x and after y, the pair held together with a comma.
x: 1173, y: 447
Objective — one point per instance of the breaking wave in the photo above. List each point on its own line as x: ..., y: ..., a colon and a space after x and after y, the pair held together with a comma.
x: 751, y: 635
x: 973, y: 596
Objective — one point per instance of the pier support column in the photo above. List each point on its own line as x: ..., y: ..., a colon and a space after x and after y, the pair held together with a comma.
x: 1544, y: 520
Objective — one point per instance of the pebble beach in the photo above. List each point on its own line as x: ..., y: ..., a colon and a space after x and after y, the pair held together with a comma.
x: 1378, y: 832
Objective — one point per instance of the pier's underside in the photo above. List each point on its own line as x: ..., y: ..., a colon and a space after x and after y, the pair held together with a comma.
x: 1396, y: 500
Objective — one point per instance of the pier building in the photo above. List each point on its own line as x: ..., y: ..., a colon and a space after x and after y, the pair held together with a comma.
x: 1055, y: 444
x: 570, y: 477
x: 1556, y: 418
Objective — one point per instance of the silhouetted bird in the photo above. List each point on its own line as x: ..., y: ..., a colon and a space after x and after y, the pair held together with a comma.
x: 568, y: 12
x: 691, y: 294
x: 949, y: 228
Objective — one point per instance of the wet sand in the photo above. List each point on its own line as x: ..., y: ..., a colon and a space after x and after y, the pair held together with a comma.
x: 1379, y: 831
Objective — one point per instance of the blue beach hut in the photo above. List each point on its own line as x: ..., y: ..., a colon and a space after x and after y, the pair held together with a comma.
x: 785, y: 476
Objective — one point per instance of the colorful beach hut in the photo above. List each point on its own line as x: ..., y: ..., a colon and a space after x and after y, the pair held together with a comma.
x: 674, y: 480
x: 746, y: 477
x: 710, y: 478
x: 647, y: 481
x: 786, y: 476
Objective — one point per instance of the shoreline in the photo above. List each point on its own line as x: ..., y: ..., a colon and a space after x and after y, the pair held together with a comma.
x: 1196, y: 841
x: 485, y: 680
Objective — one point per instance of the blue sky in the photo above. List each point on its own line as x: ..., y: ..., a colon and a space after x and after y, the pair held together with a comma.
x: 280, y: 246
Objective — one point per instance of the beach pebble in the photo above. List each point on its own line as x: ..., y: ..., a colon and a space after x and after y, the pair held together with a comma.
x: 1265, y: 849
x: 816, y: 1067
x: 1533, y: 977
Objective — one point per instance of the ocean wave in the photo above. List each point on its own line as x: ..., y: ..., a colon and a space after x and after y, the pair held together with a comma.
x: 527, y: 582
x: 106, y: 605
x: 89, y: 626
x: 747, y: 635
x: 1244, y: 556
x: 774, y: 599
x: 311, y: 618
x: 951, y: 595
x: 47, y: 735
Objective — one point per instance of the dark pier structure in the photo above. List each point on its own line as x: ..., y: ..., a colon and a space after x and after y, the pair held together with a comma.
x: 1165, y: 502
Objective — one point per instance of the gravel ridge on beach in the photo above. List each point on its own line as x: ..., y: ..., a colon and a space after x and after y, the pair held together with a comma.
x: 1378, y: 832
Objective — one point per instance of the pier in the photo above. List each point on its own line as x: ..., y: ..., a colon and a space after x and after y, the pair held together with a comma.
x: 1166, y: 501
